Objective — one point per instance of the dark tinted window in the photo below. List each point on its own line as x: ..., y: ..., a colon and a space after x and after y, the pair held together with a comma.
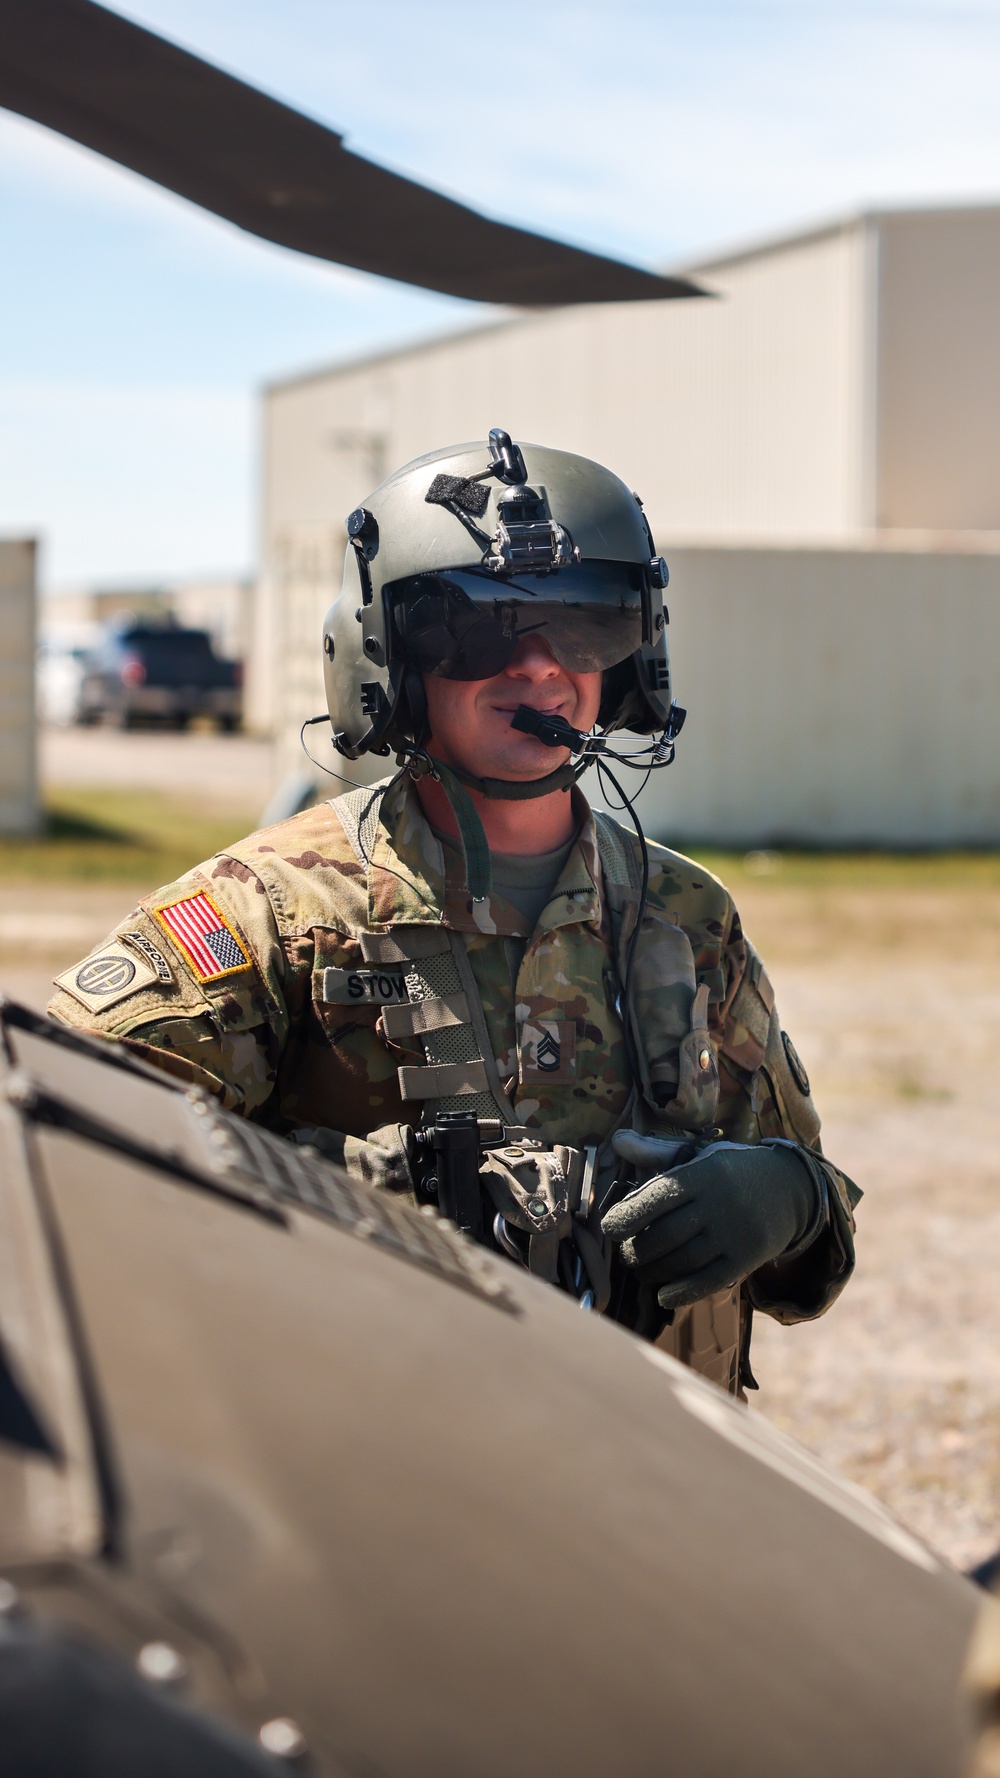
x: 175, y: 644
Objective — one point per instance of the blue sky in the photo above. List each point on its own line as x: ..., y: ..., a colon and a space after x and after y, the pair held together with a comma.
x: 136, y: 331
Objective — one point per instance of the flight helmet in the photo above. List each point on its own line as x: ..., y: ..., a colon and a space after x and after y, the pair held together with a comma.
x: 462, y: 552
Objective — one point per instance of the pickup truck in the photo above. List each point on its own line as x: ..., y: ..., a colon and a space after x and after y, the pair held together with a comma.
x: 144, y: 672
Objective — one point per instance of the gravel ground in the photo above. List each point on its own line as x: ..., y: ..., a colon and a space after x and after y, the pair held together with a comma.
x: 899, y: 1385
x: 893, y: 998
x: 220, y: 770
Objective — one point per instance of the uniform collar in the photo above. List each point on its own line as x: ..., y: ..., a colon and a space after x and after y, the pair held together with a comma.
x: 412, y: 881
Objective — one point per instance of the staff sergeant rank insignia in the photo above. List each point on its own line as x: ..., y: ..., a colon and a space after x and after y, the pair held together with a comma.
x: 203, y: 936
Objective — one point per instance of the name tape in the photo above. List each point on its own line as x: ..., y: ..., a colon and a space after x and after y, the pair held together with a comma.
x: 364, y: 987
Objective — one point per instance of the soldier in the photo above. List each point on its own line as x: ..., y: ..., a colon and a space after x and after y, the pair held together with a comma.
x: 468, y: 937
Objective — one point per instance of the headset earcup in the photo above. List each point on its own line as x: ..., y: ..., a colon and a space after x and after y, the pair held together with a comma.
x: 410, y: 716
x: 626, y: 701
x: 617, y: 694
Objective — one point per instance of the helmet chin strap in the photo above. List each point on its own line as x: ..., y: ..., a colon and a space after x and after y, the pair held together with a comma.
x: 457, y: 784
x: 511, y: 790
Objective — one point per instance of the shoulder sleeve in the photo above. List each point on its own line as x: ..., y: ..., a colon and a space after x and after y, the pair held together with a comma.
x: 759, y: 1056
x: 194, y: 981
x: 772, y: 1082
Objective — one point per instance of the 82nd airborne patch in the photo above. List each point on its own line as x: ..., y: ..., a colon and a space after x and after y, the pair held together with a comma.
x: 203, y: 936
x: 110, y: 975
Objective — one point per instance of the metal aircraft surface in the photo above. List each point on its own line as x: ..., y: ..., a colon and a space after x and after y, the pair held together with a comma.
x: 290, y: 1470
x: 128, y: 94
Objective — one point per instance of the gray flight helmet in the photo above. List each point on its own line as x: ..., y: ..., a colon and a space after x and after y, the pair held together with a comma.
x: 552, y: 523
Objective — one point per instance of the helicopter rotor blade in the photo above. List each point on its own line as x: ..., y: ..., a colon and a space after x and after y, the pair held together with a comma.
x: 129, y: 94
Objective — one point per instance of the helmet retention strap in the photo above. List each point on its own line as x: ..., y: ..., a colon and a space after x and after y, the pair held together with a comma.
x: 471, y: 833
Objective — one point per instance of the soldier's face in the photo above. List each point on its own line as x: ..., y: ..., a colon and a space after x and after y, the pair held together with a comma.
x: 470, y: 718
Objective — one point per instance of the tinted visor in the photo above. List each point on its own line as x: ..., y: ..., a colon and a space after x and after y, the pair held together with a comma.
x: 463, y: 625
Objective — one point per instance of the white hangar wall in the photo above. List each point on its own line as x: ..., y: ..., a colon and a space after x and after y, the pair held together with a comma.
x: 729, y: 415
x: 938, y: 369
x: 834, y: 696
x: 19, y: 811
x: 735, y: 416
x: 738, y: 415
x: 841, y: 391
x: 841, y: 380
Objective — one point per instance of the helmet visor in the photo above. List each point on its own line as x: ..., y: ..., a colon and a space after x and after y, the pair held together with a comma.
x: 464, y: 625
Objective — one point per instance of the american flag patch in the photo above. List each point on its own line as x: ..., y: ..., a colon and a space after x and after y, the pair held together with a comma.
x: 203, y: 937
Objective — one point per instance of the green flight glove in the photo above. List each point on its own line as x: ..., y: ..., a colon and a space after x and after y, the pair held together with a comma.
x: 706, y: 1225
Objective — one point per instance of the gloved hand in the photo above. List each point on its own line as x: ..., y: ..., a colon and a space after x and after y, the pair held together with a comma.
x: 706, y: 1225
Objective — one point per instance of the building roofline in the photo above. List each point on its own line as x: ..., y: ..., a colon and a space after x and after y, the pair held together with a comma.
x: 834, y: 225
x: 759, y: 247
x: 368, y: 360
x: 738, y: 254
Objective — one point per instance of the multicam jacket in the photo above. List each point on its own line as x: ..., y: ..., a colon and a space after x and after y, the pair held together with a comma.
x: 253, y: 975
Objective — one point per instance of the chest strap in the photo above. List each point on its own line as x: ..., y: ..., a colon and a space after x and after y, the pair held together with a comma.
x: 419, y: 1017
x: 443, y: 1008
x: 618, y: 855
x: 444, y: 1012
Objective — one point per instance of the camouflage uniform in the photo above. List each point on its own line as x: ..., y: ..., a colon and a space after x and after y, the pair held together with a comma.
x: 248, y: 976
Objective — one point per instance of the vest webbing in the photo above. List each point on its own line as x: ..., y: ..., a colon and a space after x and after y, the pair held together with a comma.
x: 706, y: 1335
x: 459, y: 1071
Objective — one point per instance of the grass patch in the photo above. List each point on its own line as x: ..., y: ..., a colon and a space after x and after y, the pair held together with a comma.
x: 147, y: 837
x: 118, y: 836
x: 891, y: 871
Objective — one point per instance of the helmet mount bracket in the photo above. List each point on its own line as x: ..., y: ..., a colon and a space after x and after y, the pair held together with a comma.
x: 508, y: 462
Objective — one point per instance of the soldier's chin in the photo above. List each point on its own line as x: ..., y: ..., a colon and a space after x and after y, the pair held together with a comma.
x: 524, y: 762
x: 520, y: 759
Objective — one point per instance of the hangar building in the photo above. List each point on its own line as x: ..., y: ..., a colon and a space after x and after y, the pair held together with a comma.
x: 19, y: 806
x: 817, y: 446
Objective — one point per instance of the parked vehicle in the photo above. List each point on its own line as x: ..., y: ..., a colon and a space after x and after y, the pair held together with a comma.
x: 159, y: 673
x: 58, y: 677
